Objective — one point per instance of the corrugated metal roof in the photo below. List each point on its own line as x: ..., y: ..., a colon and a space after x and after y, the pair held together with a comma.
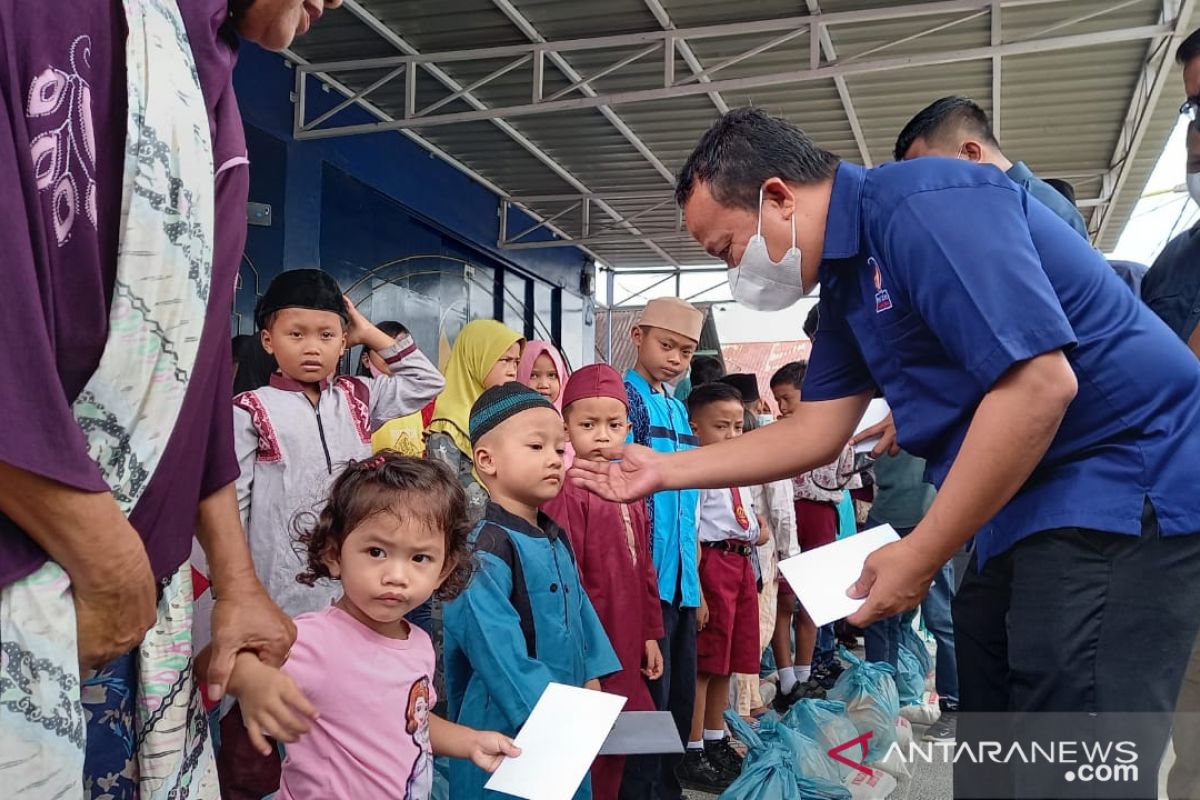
x: 1060, y: 111
x: 762, y: 359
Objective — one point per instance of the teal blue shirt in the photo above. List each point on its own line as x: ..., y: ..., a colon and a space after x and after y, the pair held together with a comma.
x: 660, y: 422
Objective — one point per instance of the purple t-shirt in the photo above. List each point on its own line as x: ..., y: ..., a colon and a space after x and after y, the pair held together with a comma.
x: 62, y: 78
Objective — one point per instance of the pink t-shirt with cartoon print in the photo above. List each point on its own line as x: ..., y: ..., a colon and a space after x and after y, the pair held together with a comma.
x: 373, y: 695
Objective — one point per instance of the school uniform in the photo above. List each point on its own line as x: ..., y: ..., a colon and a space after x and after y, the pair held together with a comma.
x: 937, y: 277
x: 729, y: 533
x: 524, y: 622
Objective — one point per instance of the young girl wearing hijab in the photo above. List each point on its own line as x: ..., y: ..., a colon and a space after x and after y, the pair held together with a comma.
x: 543, y: 369
x: 486, y: 354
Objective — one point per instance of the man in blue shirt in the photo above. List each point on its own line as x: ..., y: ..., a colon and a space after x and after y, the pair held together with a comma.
x: 1059, y: 418
x: 956, y: 127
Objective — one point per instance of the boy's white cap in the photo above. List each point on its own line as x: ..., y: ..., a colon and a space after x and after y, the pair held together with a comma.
x: 674, y: 315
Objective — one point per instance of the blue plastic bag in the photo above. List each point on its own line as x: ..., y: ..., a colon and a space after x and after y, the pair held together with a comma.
x: 911, y: 641
x: 910, y: 680
x: 772, y: 748
x: 872, y: 703
x: 771, y: 776
x: 826, y: 723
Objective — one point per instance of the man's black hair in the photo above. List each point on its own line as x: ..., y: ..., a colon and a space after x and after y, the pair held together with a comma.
x: 937, y: 119
x: 1063, y: 187
x: 746, y: 147
x: 709, y: 393
x: 812, y: 320
x: 1189, y: 48
x: 705, y: 369
x: 791, y: 374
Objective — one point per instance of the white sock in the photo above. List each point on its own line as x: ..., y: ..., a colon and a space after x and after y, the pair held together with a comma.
x: 803, y: 673
x: 714, y: 736
x: 695, y: 746
x: 787, y: 679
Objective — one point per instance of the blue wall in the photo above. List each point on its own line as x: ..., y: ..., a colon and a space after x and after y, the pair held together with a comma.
x: 349, y: 204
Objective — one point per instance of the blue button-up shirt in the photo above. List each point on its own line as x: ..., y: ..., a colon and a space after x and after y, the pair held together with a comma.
x: 937, y: 277
x: 1054, y: 200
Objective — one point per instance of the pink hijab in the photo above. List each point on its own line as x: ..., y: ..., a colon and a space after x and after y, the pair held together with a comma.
x: 533, y: 349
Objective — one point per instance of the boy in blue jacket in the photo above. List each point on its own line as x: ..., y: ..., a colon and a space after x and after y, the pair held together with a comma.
x: 525, y: 620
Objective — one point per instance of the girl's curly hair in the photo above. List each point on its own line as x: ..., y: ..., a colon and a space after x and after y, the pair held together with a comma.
x: 389, y: 483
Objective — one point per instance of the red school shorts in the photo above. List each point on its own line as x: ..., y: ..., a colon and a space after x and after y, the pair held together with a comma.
x: 816, y: 526
x: 729, y: 642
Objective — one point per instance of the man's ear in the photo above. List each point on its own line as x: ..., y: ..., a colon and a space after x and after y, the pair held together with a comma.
x: 973, y: 150
x: 776, y: 190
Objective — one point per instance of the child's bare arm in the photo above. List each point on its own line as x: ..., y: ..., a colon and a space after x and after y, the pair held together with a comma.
x: 271, y: 703
x: 485, y: 749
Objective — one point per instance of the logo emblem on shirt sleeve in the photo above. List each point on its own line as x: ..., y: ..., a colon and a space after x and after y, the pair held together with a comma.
x: 883, y: 300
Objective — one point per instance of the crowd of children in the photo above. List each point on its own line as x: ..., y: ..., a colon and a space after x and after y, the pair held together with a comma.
x: 667, y: 601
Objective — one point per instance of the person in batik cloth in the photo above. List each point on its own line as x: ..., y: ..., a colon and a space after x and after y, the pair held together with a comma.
x: 123, y: 229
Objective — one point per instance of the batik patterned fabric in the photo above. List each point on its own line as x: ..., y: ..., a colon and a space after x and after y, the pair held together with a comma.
x: 154, y: 742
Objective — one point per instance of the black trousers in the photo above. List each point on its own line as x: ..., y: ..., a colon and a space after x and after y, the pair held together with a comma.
x: 1076, y: 620
x: 649, y: 777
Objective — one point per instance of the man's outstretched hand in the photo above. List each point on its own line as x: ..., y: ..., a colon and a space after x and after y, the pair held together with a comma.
x: 633, y: 473
x: 885, y: 431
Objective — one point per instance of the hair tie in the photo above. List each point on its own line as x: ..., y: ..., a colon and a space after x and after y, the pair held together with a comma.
x: 375, y: 462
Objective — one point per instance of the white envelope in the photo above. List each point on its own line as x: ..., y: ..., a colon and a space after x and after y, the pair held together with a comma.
x: 820, y: 577
x: 877, y: 411
x: 558, y: 743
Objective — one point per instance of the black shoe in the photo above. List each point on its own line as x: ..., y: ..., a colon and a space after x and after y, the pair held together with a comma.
x: 695, y: 771
x: 944, y: 730
x: 833, y: 667
x: 825, y: 677
x: 783, y: 700
x: 720, y: 754
x: 808, y: 690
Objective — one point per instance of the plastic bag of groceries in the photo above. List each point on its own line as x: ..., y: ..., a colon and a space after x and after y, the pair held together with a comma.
x: 910, y: 679
x: 771, y: 776
x: 826, y: 723
x: 911, y: 641
x: 927, y: 712
x: 774, y: 747
x: 872, y: 784
x: 872, y: 703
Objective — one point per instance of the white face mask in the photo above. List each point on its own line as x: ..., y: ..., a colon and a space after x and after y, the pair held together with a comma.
x: 764, y: 419
x: 765, y: 285
x: 1193, y: 186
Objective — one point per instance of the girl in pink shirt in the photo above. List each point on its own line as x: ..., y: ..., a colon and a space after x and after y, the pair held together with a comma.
x: 353, y: 699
